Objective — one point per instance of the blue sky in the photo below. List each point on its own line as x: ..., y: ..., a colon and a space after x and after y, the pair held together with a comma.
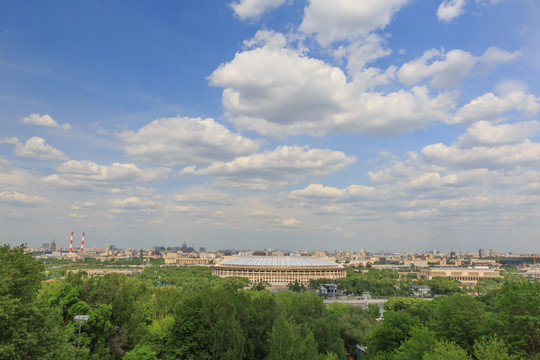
x: 376, y: 124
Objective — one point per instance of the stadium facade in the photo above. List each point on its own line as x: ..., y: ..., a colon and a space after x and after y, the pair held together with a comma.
x: 279, y: 270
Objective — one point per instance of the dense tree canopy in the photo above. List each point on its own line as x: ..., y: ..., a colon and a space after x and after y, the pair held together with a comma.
x: 186, y: 313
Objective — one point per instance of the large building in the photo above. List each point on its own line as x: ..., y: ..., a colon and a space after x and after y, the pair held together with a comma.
x: 279, y: 269
x: 464, y: 275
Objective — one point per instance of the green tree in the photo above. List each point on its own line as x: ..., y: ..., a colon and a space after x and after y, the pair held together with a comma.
x: 444, y: 350
x: 222, y: 333
x: 143, y: 352
x: 391, y: 333
x: 491, y: 349
x: 422, y: 340
x: 458, y: 318
x: 258, y: 313
x: 517, y: 316
x: 443, y: 286
x: 29, y: 328
x: 185, y: 341
x: 291, y: 342
x: 419, y: 308
x: 354, y: 323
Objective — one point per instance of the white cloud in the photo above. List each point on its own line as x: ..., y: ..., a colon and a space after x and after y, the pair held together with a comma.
x: 180, y: 141
x: 449, y: 69
x: 43, y: 120
x: 494, y: 55
x: 278, y: 92
x: 85, y: 175
x: 347, y: 19
x: 267, y: 38
x: 136, y: 204
x: 253, y: 9
x: 483, y: 133
x: 450, y: 9
x: 282, y: 166
x: 508, y: 86
x: 17, y: 198
x: 507, y: 157
x: 76, y: 215
x: 15, y: 177
x: 36, y: 148
x: 491, y: 107
x: 318, y: 191
x: 78, y: 205
x: 11, y: 140
x: 290, y: 222
x: 363, y: 51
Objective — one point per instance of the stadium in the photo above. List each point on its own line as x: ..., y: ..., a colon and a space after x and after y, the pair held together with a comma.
x: 279, y: 270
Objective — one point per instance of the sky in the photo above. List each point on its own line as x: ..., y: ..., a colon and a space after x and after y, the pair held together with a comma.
x: 383, y: 125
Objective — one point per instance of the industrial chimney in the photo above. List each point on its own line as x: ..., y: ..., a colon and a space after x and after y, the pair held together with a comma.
x: 71, y: 243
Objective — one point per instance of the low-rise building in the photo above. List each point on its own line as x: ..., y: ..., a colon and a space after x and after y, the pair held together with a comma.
x: 464, y: 275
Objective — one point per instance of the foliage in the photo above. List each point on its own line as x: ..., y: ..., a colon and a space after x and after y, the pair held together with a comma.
x: 444, y: 350
x: 491, y: 349
x: 30, y: 329
x: 186, y: 313
x: 391, y: 333
x: 458, y: 318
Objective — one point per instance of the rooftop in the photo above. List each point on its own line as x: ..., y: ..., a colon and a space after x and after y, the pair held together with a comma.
x: 289, y: 261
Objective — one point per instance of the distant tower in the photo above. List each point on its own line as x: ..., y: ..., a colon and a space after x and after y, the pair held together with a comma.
x: 71, y: 243
x: 82, y: 242
x: 53, y: 245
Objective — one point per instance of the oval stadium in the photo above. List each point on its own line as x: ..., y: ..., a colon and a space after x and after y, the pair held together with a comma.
x: 279, y: 270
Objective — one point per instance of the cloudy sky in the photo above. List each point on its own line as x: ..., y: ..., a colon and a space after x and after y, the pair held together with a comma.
x: 297, y: 124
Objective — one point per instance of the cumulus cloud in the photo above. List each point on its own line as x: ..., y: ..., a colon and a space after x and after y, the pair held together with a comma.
x: 347, y: 19
x: 36, y: 148
x: 253, y: 9
x: 450, y: 9
x: 449, y: 69
x: 364, y: 51
x: 44, y: 120
x: 282, y: 166
x: 135, y: 204
x: 85, y: 175
x: 507, y: 157
x: 484, y: 133
x: 491, y: 107
x: 10, y: 177
x: 181, y: 140
x: 278, y: 92
x: 21, y: 199
x: 78, y: 205
x: 318, y: 191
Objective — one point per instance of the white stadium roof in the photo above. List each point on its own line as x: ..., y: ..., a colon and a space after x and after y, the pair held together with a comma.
x: 289, y: 261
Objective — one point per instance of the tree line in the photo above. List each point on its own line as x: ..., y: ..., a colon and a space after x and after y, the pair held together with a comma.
x: 186, y: 313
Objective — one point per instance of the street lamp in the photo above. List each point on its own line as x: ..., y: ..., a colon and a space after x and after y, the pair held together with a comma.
x: 80, y: 319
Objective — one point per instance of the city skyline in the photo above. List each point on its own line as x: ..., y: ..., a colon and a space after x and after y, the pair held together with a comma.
x: 248, y: 124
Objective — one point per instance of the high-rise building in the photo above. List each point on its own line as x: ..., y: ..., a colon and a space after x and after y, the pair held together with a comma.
x: 482, y: 253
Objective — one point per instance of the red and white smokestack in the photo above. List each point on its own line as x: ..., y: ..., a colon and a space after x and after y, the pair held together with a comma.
x: 71, y: 243
x: 82, y: 243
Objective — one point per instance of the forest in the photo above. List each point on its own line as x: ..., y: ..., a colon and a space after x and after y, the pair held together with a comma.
x: 186, y: 313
